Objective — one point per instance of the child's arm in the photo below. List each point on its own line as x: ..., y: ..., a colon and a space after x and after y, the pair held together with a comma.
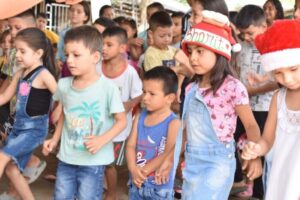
x: 50, y: 144
x: 136, y: 51
x: 11, y: 89
x: 57, y: 111
x: 49, y: 81
x: 94, y: 143
x: 253, y: 150
x: 138, y: 176
x: 155, y: 163
x: 163, y: 172
x: 268, y: 87
x: 128, y: 105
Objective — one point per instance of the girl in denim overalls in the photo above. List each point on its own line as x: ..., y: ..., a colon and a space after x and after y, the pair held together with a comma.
x: 33, y: 84
x: 213, y: 102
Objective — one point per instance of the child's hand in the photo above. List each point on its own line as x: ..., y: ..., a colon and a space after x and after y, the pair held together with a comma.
x: 163, y: 173
x: 93, y: 143
x: 253, y: 168
x: 255, y: 79
x: 139, y: 175
x: 136, y: 42
x: 49, y: 146
x: 251, y: 151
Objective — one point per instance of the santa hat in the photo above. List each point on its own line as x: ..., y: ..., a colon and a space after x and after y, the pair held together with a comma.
x: 279, y: 45
x: 12, y: 8
x: 213, y: 33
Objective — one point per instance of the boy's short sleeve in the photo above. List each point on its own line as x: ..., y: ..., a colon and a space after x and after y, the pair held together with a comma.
x: 151, y: 59
x: 57, y: 96
x: 136, y: 86
x: 115, y: 104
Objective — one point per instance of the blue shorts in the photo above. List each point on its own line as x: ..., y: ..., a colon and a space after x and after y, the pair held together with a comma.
x: 78, y: 182
x: 148, y: 193
x: 24, y: 138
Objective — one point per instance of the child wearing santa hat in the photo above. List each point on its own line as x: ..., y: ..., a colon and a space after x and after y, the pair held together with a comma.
x: 280, y: 56
x: 213, y: 102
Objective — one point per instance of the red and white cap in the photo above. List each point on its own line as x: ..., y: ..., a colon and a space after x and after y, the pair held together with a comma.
x: 279, y: 45
x: 211, y: 36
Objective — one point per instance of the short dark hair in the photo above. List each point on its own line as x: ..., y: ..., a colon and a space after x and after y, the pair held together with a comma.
x: 103, y: 21
x: 250, y: 15
x: 119, y: 20
x: 103, y: 8
x: 156, y: 5
x: 160, y: 19
x: 177, y: 14
x: 89, y: 35
x: 214, y: 5
x: 166, y: 75
x: 117, y: 32
x: 42, y: 15
x: 27, y: 14
x: 279, y: 9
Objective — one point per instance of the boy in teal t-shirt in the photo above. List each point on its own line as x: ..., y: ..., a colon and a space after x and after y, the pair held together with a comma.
x: 93, y: 114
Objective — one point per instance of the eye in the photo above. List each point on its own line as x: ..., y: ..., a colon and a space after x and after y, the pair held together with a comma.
x: 293, y: 68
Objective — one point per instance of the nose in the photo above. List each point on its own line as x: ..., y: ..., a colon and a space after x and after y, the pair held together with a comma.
x: 287, y: 78
x: 192, y: 55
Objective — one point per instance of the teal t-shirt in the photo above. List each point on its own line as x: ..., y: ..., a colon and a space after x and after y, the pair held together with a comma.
x: 87, y: 112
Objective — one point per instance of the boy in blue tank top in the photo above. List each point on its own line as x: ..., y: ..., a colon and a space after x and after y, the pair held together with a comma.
x: 150, y: 146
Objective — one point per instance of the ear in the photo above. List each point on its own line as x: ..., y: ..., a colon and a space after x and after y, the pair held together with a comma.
x: 171, y: 98
x: 40, y: 53
x: 123, y: 48
x: 96, y: 57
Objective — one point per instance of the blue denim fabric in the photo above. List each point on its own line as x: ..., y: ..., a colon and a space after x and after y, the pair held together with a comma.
x: 78, y: 182
x: 210, y: 164
x: 28, y: 132
x: 148, y: 193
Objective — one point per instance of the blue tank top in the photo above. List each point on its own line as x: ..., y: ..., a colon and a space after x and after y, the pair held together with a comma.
x: 151, y: 141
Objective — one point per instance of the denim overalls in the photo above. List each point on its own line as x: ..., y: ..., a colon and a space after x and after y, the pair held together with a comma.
x: 209, y: 163
x: 28, y: 132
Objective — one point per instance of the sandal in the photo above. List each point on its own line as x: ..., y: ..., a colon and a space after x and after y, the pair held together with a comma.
x: 32, y: 173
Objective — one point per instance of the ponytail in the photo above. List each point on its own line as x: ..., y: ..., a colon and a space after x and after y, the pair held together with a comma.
x: 48, y: 58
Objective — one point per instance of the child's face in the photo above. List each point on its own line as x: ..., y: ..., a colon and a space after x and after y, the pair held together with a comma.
x: 288, y: 77
x: 161, y: 37
x: 108, y: 13
x: 249, y: 34
x: 80, y: 59
x: 99, y: 27
x: 177, y: 26
x: 41, y: 23
x: 26, y: 57
x: 112, y: 48
x: 297, y: 10
x: 6, y: 44
x: 17, y: 24
x: 202, y: 60
x: 77, y: 15
x: 270, y: 11
x: 154, y: 97
x: 130, y: 31
x: 196, y: 16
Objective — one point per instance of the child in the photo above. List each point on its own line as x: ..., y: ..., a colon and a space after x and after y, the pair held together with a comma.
x: 107, y: 11
x: 153, y: 137
x: 209, y: 152
x: 177, y: 28
x: 102, y: 23
x: 6, y: 43
x: 280, y: 55
x: 92, y: 116
x: 35, y: 78
x: 273, y: 11
x: 160, y: 53
x: 41, y: 21
x: 116, y: 68
x: 79, y: 14
x: 251, y: 22
x: 134, y: 51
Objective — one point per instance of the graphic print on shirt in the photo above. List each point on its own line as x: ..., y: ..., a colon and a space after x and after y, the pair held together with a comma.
x: 148, y: 150
x: 81, y: 121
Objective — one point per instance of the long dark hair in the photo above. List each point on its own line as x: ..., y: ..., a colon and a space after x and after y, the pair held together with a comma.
x: 36, y: 39
x: 218, y: 74
x: 214, y: 5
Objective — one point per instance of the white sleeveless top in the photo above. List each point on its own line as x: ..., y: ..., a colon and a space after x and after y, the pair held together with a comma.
x: 284, y: 181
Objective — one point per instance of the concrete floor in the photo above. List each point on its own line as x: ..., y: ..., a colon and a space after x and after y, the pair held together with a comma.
x: 43, y: 189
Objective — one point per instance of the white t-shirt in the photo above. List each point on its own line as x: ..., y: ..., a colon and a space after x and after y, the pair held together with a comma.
x: 249, y: 61
x: 130, y: 86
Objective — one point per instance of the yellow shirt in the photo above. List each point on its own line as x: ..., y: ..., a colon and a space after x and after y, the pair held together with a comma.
x: 53, y: 37
x: 156, y: 57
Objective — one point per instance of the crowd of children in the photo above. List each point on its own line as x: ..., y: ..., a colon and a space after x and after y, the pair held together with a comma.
x: 113, y: 96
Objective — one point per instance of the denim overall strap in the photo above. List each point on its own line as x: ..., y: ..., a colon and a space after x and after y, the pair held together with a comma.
x: 178, y: 144
x: 23, y: 91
